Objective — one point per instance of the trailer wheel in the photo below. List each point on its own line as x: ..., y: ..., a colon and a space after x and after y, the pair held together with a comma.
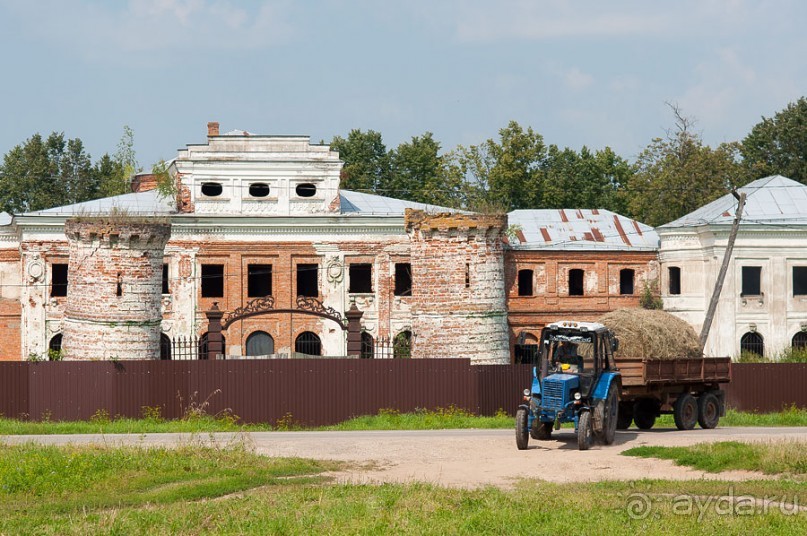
x: 685, y: 412
x: 625, y: 416
x: 522, y: 437
x: 541, y: 431
x: 644, y: 414
x: 584, y: 434
x: 708, y: 411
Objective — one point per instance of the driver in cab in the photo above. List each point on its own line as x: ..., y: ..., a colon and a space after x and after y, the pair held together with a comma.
x: 566, y: 357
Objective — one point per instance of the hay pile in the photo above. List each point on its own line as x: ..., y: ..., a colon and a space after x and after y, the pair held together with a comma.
x: 651, y: 334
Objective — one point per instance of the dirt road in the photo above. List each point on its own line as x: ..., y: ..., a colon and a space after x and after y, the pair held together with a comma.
x: 465, y: 458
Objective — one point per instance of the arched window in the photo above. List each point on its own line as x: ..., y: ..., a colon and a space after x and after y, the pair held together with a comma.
x: 55, y: 343
x: 260, y: 343
x: 752, y: 343
x: 402, y: 345
x: 800, y: 341
x: 367, y: 346
x: 165, y: 347
x: 203, y: 346
x: 308, y: 343
x: 526, y: 349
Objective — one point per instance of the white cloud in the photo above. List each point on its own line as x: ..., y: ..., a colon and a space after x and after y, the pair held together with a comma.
x: 576, y: 79
x: 104, y: 30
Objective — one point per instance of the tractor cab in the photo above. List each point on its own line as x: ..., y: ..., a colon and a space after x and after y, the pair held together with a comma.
x: 576, y: 381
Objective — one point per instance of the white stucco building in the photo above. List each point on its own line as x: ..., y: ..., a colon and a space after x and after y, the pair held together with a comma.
x: 763, y: 304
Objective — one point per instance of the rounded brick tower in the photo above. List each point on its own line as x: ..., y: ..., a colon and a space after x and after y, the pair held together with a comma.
x: 114, y: 288
x: 459, y: 307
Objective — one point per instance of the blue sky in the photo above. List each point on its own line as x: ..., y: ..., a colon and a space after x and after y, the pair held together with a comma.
x: 581, y: 73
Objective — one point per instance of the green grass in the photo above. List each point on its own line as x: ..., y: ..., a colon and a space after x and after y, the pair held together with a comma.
x: 50, y: 490
x: 445, y: 418
x: 774, y: 457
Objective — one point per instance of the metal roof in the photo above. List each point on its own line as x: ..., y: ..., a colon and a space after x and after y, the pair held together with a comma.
x: 580, y: 229
x: 361, y: 203
x: 144, y: 203
x: 771, y: 200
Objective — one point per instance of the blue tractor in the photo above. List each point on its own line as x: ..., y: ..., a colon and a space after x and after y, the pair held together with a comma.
x: 575, y: 381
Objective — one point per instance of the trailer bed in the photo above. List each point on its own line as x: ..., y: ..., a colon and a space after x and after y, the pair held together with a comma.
x: 640, y: 372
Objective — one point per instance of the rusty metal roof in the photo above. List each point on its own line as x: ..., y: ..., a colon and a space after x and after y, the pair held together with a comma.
x: 773, y: 200
x: 581, y: 229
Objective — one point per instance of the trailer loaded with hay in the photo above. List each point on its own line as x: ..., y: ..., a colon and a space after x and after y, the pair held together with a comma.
x: 664, y: 372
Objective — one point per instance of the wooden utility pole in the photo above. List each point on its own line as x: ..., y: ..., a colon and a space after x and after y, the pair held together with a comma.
x: 721, y: 276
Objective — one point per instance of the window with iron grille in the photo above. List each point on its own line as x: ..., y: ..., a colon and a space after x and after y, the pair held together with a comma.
x: 752, y: 343
x: 367, y: 346
x: 308, y: 343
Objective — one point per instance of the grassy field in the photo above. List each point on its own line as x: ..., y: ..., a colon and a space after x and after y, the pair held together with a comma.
x: 49, y: 490
x: 445, y: 418
x: 774, y: 457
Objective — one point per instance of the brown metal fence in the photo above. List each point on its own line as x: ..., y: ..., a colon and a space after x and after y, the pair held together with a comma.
x: 313, y: 392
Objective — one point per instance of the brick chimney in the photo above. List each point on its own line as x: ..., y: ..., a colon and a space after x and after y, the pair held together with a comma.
x: 212, y: 129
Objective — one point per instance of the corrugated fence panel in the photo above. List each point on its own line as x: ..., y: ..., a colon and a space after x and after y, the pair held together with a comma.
x: 313, y: 392
x: 14, y: 390
x: 766, y: 387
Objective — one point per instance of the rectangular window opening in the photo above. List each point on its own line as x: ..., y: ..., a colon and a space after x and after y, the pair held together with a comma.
x: 58, y: 280
x: 467, y: 275
x: 403, y: 279
x: 800, y: 280
x: 576, y: 282
x: 360, y: 278
x: 674, y: 279
x: 259, y: 280
x: 165, y: 279
x: 308, y: 280
x: 525, y: 282
x: 212, y: 280
x: 626, y: 277
x: 752, y: 276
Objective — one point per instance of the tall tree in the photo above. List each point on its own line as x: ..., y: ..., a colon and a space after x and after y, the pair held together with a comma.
x: 678, y: 174
x: 367, y: 166
x: 505, y: 174
x: 115, y: 172
x: 778, y: 146
x: 418, y: 173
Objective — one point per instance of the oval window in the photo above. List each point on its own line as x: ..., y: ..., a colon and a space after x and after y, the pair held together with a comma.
x: 211, y: 189
x: 306, y: 190
x: 258, y: 189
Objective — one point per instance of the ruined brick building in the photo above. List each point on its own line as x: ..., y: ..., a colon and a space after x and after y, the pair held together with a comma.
x: 260, y: 227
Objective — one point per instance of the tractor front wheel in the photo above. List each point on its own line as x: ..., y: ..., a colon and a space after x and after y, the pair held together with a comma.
x: 584, y: 433
x: 685, y: 412
x: 522, y: 435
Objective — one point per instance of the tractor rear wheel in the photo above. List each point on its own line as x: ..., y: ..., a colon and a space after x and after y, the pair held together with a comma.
x: 522, y: 436
x: 610, y: 416
x: 708, y: 411
x: 584, y: 433
x: 685, y: 412
x: 644, y: 414
x: 541, y: 431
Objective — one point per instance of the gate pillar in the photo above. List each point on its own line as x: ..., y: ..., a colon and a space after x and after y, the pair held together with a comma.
x: 214, y: 346
x: 353, y: 316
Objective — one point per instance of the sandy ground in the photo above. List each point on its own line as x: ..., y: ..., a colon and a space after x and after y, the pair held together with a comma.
x: 465, y: 458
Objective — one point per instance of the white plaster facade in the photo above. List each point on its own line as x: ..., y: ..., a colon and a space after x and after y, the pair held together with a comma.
x: 772, y: 237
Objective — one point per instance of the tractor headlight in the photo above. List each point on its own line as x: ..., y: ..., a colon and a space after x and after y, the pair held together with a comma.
x: 577, y: 396
x: 526, y: 392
